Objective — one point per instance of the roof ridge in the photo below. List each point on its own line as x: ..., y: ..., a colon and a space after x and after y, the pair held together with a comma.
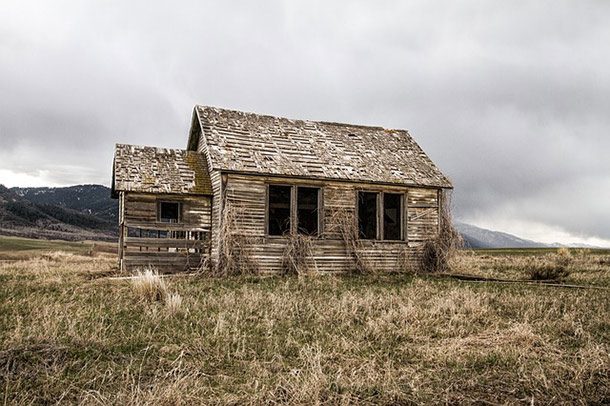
x: 375, y: 127
x: 120, y: 145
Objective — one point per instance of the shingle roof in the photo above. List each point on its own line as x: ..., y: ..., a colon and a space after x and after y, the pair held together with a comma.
x: 248, y: 142
x: 159, y: 170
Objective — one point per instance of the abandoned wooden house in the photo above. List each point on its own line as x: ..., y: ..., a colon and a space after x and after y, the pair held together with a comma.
x: 355, y: 193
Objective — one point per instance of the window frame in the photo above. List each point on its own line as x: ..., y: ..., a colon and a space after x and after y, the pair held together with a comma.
x: 357, y: 211
x: 379, y: 235
x: 267, y: 207
x: 294, y: 209
x: 180, y: 206
x: 318, y: 209
x: 401, y: 210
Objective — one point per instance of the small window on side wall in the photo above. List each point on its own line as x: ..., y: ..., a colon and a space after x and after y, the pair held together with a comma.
x: 392, y: 216
x: 367, y: 215
x: 279, y: 209
x: 169, y: 212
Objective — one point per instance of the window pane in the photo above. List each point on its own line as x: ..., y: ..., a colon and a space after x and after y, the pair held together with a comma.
x: 367, y: 215
x: 392, y: 216
x: 279, y: 210
x: 307, y: 210
x: 169, y: 212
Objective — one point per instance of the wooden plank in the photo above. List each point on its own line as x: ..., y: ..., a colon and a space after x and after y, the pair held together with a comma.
x: 165, y: 242
x: 144, y: 225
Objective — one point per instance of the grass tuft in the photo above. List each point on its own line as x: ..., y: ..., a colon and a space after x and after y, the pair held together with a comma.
x: 173, y: 304
x: 149, y: 286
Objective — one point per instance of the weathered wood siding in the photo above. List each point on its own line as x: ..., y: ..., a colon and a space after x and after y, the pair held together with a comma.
x: 249, y: 192
x: 215, y: 216
x: 422, y: 214
x: 168, y: 246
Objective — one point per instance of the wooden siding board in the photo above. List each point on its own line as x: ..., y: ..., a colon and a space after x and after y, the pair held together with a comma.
x: 249, y: 192
x: 139, y: 211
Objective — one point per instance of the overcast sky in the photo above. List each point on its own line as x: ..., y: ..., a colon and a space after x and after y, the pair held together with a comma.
x: 510, y: 98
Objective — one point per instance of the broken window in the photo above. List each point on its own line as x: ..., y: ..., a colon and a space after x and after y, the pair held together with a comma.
x: 367, y: 215
x: 279, y: 209
x: 307, y: 210
x: 392, y: 216
x: 169, y: 212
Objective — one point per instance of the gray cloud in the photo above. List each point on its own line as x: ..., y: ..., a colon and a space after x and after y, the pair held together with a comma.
x: 510, y: 99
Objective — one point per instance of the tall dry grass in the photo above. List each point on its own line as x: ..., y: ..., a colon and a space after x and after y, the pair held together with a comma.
x: 149, y: 286
x: 69, y: 337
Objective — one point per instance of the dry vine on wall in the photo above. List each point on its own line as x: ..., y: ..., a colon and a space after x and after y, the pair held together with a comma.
x: 438, y: 251
x: 344, y: 222
x: 234, y: 256
x: 298, y: 257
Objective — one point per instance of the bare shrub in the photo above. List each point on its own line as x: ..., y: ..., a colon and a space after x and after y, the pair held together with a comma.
x: 233, y: 254
x: 149, y: 286
x: 403, y: 263
x: 564, y: 257
x: 438, y: 251
x: 298, y: 255
x: 547, y: 271
x: 344, y: 222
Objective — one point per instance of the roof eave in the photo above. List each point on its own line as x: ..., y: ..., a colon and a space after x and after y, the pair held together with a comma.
x: 343, y: 180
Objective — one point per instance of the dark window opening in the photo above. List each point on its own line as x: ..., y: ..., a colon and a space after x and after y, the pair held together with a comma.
x: 279, y: 209
x: 367, y: 215
x: 392, y: 216
x: 307, y: 210
x: 169, y: 212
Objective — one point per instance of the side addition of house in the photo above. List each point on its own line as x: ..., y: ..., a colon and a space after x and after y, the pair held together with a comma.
x: 281, y: 178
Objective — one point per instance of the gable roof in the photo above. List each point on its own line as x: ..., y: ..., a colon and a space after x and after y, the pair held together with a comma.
x: 261, y: 144
x: 159, y: 170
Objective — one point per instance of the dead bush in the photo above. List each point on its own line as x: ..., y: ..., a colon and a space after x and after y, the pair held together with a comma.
x: 233, y: 253
x: 564, y: 257
x: 403, y: 263
x: 298, y: 255
x: 547, y: 272
x: 343, y: 222
x: 438, y: 251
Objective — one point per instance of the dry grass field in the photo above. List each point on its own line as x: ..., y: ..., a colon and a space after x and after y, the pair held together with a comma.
x: 71, y: 334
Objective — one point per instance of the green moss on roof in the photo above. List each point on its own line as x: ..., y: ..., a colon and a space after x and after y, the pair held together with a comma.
x: 160, y: 170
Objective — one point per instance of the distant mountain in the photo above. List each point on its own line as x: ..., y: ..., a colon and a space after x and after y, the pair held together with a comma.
x: 86, y: 199
x: 475, y: 237
x: 73, y: 213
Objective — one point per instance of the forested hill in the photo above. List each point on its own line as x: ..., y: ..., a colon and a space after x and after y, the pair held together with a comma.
x: 86, y: 199
x: 72, y: 213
